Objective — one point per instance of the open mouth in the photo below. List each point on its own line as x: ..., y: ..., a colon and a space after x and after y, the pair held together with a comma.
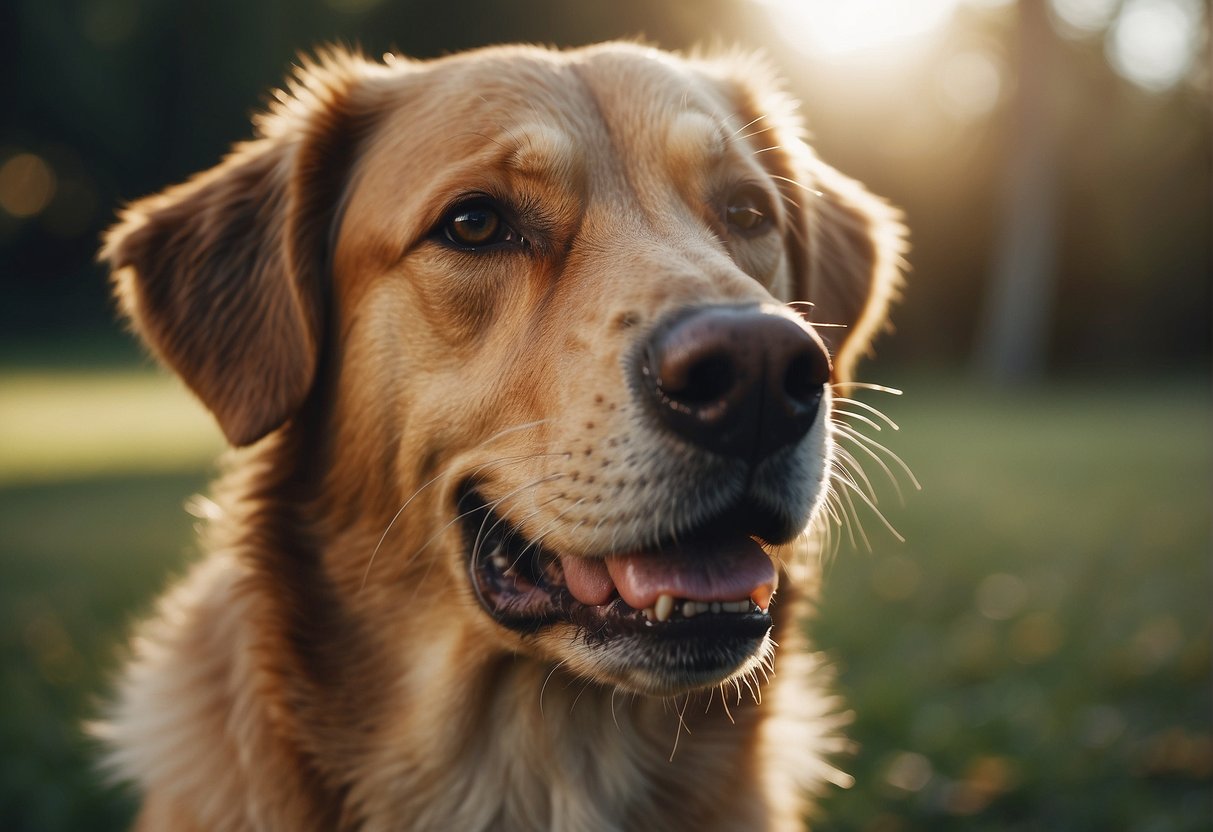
x: 699, y: 607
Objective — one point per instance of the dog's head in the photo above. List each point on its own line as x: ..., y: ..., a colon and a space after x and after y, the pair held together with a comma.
x: 527, y: 313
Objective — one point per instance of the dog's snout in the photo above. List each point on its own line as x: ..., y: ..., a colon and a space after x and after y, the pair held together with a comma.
x: 738, y: 381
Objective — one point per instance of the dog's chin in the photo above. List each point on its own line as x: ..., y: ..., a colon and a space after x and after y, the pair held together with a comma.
x: 672, y: 618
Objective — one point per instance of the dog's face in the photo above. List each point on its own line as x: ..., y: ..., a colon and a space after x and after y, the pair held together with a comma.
x: 528, y: 309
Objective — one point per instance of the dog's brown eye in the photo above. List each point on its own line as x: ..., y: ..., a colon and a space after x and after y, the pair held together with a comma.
x: 474, y: 226
x: 748, y: 211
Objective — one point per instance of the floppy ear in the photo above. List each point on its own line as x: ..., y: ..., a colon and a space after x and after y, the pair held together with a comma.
x: 851, y: 272
x: 223, y: 276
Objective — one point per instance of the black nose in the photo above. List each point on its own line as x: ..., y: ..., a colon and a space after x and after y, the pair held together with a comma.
x: 735, y: 380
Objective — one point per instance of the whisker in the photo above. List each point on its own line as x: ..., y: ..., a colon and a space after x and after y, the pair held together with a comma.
x: 832, y: 495
x: 787, y: 199
x: 547, y: 679
x: 861, y: 439
x: 846, y: 495
x: 537, y: 541
x: 874, y: 509
x: 851, y: 464
x: 746, y: 680
x: 754, y: 133
x: 492, y: 509
x: 879, y: 413
x: 800, y: 185
x: 534, y: 542
x: 880, y: 462
x: 475, y: 553
x: 682, y: 725
x: 502, y: 461
x: 863, y: 385
x: 439, y: 475
x: 724, y: 700
x: 838, y: 411
x: 749, y: 123
x: 584, y: 687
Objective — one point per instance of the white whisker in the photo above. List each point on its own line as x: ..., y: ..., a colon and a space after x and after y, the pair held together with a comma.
x: 851, y: 433
x: 888, y: 473
x: 844, y: 458
x: 880, y: 414
x: 800, y: 185
x: 863, y: 385
x: 859, y: 493
x: 846, y: 495
x: 838, y: 411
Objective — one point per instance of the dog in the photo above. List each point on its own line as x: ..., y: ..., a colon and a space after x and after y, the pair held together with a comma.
x: 528, y: 359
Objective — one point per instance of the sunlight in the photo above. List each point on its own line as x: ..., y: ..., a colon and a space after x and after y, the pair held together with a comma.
x: 834, y: 29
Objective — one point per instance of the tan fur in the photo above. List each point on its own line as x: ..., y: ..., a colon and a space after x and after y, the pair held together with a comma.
x: 327, y: 666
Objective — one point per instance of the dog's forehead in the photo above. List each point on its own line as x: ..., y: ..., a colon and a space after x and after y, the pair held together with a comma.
x: 553, y: 109
x: 618, y: 126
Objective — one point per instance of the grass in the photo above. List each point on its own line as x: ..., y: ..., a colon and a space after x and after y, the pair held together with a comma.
x: 1036, y: 656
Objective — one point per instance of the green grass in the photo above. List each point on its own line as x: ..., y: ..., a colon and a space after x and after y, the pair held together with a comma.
x: 1036, y: 656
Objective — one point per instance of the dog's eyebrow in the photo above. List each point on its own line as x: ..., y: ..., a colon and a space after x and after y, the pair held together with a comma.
x: 540, y: 152
x: 696, y: 139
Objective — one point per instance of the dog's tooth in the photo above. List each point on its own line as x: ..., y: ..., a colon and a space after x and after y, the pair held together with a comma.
x: 737, y: 606
x: 715, y: 606
x: 649, y: 613
x: 664, y: 607
x: 762, y: 597
x: 689, y: 609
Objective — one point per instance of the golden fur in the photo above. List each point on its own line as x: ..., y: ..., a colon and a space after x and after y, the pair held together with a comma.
x: 327, y: 665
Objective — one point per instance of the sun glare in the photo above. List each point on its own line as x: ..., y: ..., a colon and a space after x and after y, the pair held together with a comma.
x: 832, y: 28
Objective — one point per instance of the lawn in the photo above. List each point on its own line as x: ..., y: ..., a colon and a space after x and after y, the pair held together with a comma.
x: 1035, y: 656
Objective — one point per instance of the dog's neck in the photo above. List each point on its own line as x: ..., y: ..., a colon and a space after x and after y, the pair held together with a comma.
x: 519, y: 745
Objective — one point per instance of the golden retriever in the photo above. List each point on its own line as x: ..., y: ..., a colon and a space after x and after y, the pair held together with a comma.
x: 525, y: 437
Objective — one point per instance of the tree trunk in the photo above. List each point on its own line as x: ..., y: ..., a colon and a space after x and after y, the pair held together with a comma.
x: 1012, y: 343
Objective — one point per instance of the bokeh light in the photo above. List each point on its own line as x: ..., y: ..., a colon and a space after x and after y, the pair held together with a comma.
x: 1153, y: 43
x: 970, y: 84
x: 27, y: 185
x: 1079, y: 18
x: 833, y: 29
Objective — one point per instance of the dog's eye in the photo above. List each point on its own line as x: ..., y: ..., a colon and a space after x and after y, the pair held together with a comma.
x: 477, y: 224
x: 748, y: 211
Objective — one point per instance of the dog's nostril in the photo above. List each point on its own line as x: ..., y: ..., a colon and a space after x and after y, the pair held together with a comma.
x: 706, y: 381
x: 804, y: 379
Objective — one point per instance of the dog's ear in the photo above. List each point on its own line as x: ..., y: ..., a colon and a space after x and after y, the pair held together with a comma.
x: 849, y: 267
x: 224, y: 276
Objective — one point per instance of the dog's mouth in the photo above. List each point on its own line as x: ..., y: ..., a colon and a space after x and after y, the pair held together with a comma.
x: 700, y: 606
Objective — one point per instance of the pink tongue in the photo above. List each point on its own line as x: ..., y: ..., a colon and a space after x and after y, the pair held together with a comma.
x: 717, y: 570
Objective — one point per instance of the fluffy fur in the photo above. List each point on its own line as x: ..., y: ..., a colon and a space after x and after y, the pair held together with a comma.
x: 327, y: 665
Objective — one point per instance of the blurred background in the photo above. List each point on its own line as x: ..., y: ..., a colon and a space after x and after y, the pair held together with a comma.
x: 1034, y: 656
